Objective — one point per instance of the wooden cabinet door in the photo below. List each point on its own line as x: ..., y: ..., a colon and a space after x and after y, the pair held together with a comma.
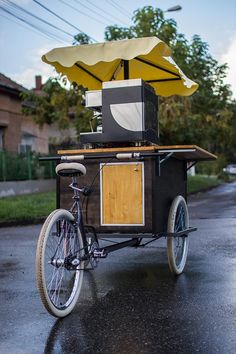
x: 122, y: 193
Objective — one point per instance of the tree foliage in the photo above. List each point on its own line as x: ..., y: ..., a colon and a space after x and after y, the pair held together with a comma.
x: 81, y: 38
x: 207, y: 117
x: 57, y: 104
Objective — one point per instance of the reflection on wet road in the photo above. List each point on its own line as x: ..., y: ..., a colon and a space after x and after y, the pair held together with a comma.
x: 217, y: 203
x: 131, y: 303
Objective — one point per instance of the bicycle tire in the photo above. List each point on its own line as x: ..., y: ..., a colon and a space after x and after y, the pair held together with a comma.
x: 177, y: 247
x: 59, y: 287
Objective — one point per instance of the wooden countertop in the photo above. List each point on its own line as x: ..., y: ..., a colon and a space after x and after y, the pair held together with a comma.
x: 183, y: 152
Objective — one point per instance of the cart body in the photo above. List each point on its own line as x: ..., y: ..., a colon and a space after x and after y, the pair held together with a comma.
x: 131, y: 195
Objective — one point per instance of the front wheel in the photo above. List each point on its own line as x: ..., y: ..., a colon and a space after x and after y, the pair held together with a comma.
x: 59, y: 268
x: 177, y: 247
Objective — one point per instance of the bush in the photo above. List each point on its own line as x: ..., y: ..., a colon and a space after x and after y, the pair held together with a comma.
x: 200, y: 183
x: 212, y: 168
x: 223, y: 176
x: 16, y: 167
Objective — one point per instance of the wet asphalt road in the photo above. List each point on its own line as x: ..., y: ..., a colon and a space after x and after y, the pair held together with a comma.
x: 131, y: 303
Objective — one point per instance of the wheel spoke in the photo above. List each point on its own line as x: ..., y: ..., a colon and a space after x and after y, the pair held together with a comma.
x: 58, y: 282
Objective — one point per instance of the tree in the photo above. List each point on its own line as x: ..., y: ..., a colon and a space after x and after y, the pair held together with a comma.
x: 204, y: 118
x: 81, y: 38
x: 57, y: 104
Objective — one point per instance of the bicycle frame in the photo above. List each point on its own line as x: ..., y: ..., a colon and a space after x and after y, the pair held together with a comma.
x: 77, y: 212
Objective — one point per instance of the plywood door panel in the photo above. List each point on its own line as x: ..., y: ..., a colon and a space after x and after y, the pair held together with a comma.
x: 122, y: 194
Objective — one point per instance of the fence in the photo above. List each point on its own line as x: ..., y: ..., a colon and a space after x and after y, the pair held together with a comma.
x: 19, y: 167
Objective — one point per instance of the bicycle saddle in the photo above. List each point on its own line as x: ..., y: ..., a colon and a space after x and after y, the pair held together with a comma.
x: 70, y: 169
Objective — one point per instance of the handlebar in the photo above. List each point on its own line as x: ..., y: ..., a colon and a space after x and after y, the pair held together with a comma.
x: 165, y: 153
x: 118, y: 156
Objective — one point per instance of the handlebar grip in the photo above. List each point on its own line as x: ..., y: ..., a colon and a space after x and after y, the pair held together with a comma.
x: 62, y: 158
x: 72, y: 158
x: 124, y: 156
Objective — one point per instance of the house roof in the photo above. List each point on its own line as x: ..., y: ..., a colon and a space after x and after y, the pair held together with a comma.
x: 8, y: 85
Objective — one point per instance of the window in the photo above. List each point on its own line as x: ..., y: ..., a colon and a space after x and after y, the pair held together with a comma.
x: 23, y: 149
x: 27, y: 143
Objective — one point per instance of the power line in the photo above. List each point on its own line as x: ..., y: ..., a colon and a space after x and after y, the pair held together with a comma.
x: 61, y: 18
x: 81, y: 12
x: 123, y: 9
x: 38, y: 18
x: 119, y: 8
x: 94, y: 11
x: 10, y: 10
x: 102, y: 10
x: 27, y: 27
x: 27, y: 22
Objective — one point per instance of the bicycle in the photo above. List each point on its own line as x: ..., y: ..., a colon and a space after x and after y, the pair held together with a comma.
x: 63, y: 250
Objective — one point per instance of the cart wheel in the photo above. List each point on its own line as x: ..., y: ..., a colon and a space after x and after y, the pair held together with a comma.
x: 177, y: 247
x: 59, y: 280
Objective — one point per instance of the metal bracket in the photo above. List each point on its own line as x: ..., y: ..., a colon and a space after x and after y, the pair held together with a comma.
x: 166, y: 157
x: 182, y: 233
x: 159, y: 161
x: 192, y: 164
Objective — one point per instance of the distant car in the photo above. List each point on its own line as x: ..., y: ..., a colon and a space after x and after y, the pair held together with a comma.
x: 230, y: 169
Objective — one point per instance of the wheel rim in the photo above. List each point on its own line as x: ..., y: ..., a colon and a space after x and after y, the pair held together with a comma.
x: 179, y: 243
x: 177, y: 247
x: 60, y: 280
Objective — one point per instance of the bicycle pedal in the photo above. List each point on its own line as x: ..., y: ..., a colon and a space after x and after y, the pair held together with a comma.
x: 97, y: 253
x: 75, y: 262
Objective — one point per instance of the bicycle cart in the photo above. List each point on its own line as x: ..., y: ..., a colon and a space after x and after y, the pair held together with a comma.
x: 129, y: 187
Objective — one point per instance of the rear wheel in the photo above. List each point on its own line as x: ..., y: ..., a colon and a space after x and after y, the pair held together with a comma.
x: 177, y: 247
x: 59, y: 270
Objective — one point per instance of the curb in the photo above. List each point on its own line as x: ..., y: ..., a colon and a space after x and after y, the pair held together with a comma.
x: 22, y: 222
x: 204, y: 189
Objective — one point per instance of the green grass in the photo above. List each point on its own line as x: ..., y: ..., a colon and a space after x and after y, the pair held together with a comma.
x: 27, y: 208
x: 199, y: 183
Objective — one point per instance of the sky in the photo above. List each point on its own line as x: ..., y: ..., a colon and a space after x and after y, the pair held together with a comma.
x: 22, y: 46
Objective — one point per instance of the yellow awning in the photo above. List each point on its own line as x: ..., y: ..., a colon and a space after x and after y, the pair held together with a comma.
x: 147, y: 58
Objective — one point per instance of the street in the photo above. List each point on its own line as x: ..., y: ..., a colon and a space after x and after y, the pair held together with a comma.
x: 131, y: 303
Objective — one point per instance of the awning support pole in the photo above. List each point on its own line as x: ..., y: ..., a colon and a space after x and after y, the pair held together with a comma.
x: 126, y: 69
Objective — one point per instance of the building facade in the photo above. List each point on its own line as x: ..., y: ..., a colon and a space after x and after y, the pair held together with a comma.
x: 19, y: 133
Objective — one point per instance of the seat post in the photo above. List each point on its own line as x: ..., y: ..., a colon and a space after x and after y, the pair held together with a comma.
x: 75, y: 184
